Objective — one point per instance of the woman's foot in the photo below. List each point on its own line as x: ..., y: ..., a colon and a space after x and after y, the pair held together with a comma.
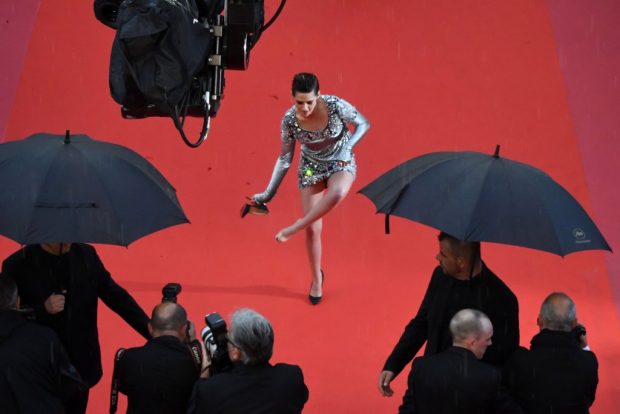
x: 286, y: 233
x: 316, y: 294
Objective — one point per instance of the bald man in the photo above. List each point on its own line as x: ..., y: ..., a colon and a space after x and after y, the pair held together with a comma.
x: 558, y: 374
x: 159, y: 376
x: 455, y: 380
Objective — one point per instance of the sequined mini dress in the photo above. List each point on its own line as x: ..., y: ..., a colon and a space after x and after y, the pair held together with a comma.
x: 321, y: 150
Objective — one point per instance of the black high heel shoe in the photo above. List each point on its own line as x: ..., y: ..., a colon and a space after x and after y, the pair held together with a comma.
x: 315, y: 300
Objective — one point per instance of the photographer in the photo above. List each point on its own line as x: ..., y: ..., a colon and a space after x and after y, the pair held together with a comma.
x: 159, y: 376
x: 35, y: 373
x: 558, y: 373
x: 252, y: 385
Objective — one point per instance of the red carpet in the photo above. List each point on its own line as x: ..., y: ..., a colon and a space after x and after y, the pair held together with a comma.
x: 430, y: 76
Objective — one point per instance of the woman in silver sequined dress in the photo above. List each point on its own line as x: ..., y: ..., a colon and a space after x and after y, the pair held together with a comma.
x: 326, y: 167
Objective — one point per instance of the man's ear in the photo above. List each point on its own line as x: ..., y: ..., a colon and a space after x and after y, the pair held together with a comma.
x: 234, y: 353
x: 150, y: 329
x: 539, y: 322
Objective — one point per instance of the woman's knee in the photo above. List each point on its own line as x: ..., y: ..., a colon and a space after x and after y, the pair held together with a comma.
x: 314, y: 229
x: 337, y: 194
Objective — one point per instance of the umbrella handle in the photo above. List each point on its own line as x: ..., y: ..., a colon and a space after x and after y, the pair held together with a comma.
x: 387, y: 224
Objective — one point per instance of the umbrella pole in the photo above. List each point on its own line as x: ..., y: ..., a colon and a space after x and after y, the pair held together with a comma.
x: 475, y: 257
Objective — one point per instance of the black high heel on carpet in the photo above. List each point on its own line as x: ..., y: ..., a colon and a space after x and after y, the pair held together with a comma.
x: 315, y: 300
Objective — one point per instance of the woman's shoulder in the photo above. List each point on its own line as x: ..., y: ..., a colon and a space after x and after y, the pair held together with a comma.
x: 338, y: 104
x: 331, y: 99
x: 288, y: 119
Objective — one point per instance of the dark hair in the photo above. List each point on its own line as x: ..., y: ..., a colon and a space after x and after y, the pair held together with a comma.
x: 168, y: 316
x: 8, y: 293
x: 460, y: 248
x: 305, y: 83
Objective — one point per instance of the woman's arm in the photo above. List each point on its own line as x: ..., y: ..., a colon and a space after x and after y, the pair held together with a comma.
x: 350, y: 115
x: 281, y: 167
x: 361, y: 127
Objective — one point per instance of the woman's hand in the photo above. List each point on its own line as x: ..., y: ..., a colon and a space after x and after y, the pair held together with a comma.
x: 260, y: 198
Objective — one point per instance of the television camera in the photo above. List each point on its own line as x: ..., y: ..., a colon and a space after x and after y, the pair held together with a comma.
x: 206, y: 37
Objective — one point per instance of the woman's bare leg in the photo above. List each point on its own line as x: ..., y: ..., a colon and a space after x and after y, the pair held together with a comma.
x: 338, y: 185
x: 309, y: 198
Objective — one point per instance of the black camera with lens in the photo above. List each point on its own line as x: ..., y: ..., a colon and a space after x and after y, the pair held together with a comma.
x: 214, y: 337
x: 579, y: 331
x: 170, y: 292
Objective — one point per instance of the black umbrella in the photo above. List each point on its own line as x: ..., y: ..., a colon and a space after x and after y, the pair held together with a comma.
x: 56, y: 188
x: 479, y: 197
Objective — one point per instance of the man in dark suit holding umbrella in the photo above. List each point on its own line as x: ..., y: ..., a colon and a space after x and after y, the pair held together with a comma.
x: 63, y: 283
x: 462, y: 280
x: 455, y: 381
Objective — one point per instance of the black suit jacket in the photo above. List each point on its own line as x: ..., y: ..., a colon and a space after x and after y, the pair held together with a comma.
x: 454, y: 381
x: 264, y: 389
x: 34, y: 368
x: 444, y: 297
x: 158, y: 377
x: 554, y: 376
x: 87, y: 281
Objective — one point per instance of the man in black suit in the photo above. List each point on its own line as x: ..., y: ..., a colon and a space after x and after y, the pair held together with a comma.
x: 253, y: 385
x: 461, y: 280
x: 63, y: 283
x: 35, y: 373
x: 159, y: 376
x: 559, y: 373
x: 455, y: 381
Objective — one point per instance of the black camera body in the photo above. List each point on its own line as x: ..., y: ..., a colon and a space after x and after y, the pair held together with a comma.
x: 579, y: 331
x: 170, y: 292
x: 214, y: 337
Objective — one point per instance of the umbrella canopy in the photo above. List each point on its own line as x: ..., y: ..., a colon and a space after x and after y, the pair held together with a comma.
x: 479, y: 197
x: 56, y: 188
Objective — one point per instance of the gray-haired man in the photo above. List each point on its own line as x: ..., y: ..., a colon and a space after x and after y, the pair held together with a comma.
x: 253, y: 385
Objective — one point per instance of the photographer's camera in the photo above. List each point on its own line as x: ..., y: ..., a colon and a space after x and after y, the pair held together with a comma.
x: 214, y: 337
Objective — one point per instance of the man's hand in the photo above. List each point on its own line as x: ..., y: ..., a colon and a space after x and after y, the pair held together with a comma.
x: 55, y: 303
x: 205, y: 369
x: 190, y: 331
x: 385, y: 378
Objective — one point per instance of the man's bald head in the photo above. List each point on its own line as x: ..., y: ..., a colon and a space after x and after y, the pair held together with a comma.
x: 471, y: 329
x: 167, y: 317
x: 558, y: 313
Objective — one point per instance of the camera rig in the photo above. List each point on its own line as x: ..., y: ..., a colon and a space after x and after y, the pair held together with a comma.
x: 234, y: 27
